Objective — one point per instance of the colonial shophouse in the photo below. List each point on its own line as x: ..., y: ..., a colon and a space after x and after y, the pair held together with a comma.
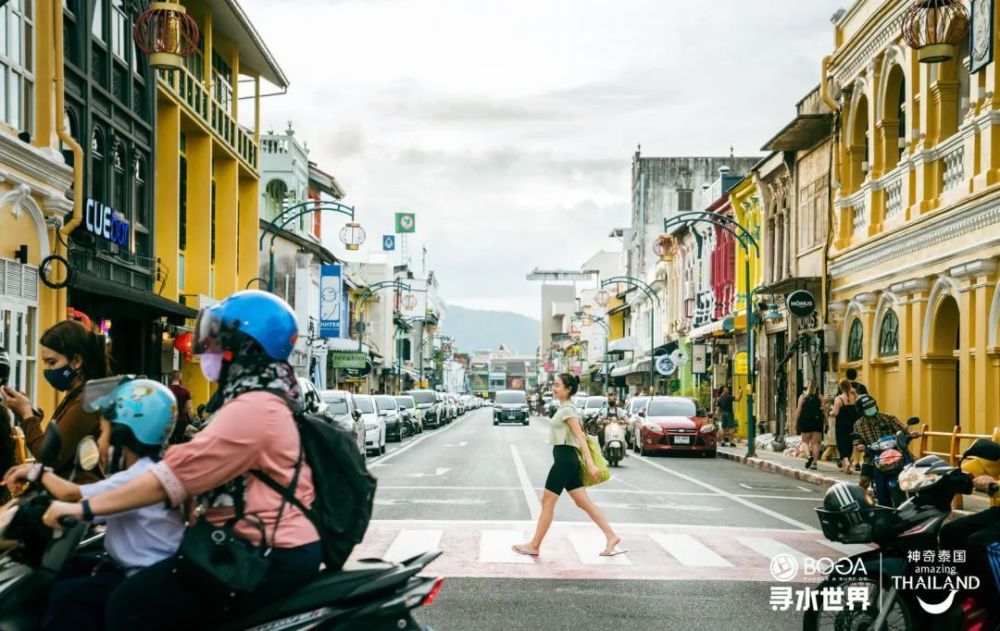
x: 913, y: 263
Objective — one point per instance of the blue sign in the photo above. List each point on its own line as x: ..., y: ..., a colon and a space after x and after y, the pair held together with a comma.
x: 104, y: 221
x: 389, y: 242
x: 331, y: 299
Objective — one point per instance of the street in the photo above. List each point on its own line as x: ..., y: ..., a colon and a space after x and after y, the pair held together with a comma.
x: 700, y: 534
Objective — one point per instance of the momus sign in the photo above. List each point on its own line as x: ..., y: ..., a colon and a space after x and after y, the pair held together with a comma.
x: 801, y: 303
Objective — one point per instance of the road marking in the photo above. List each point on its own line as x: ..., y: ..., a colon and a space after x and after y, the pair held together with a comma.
x: 770, y: 548
x: 380, y: 460
x: 409, y: 543
x: 588, y: 546
x: 461, y: 444
x: 767, y: 511
x: 458, y: 501
x: 440, y: 471
x: 848, y: 549
x: 534, y: 506
x: 689, y: 551
x: 514, y: 523
x: 681, y: 507
x: 449, y: 488
x: 494, y: 547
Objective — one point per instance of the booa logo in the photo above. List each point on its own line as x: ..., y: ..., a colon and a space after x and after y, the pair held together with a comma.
x: 784, y: 567
x: 939, y: 608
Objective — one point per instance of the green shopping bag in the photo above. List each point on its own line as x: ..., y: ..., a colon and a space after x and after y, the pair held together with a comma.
x: 595, y: 452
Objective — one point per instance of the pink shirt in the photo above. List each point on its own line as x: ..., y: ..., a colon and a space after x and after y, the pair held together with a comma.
x: 253, y: 431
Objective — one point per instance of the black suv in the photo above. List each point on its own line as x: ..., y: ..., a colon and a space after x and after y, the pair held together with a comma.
x: 511, y: 406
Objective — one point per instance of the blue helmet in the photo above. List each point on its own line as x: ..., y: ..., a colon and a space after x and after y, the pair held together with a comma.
x: 259, y: 315
x: 147, y: 408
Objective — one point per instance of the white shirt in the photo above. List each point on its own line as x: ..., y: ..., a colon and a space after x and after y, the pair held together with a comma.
x: 141, y: 537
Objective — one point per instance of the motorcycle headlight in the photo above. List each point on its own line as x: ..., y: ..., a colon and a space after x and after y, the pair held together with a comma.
x: 913, y: 479
x: 707, y: 428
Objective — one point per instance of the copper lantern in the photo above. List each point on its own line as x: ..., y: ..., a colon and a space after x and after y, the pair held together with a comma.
x: 409, y: 302
x: 665, y: 247
x: 167, y: 34
x: 352, y: 235
x: 934, y: 28
x: 602, y: 298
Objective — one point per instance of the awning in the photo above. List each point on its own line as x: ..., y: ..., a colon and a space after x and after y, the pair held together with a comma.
x: 706, y: 330
x: 802, y: 133
x: 625, y: 369
x: 622, y: 344
x: 131, y: 301
x: 345, y: 345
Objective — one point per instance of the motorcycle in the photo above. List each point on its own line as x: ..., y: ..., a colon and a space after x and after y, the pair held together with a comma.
x: 371, y: 594
x: 614, y: 441
x: 889, y: 455
x: 912, y: 527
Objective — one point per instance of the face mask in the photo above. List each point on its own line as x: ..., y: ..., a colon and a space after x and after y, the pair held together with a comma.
x: 211, y: 366
x: 61, y: 378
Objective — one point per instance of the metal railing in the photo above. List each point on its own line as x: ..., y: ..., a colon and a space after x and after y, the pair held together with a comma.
x: 955, y: 438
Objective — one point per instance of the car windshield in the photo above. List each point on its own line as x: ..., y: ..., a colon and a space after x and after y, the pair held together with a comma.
x: 637, y: 405
x: 385, y: 403
x: 365, y: 404
x: 422, y: 397
x: 509, y: 398
x: 336, y: 404
x: 579, y: 401
x: 596, y: 402
x: 671, y: 408
x: 404, y: 402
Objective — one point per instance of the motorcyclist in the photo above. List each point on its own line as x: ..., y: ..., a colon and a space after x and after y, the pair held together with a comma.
x: 873, y: 425
x: 243, y: 344
x: 611, y: 410
x: 142, y: 414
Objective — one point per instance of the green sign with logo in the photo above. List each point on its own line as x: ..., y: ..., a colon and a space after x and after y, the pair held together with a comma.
x: 344, y: 359
x: 406, y: 223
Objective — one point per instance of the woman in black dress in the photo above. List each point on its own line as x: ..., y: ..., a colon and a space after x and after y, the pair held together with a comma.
x: 846, y: 414
x: 810, y: 421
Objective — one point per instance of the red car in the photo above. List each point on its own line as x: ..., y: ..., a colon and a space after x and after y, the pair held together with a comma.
x: 672, y: 424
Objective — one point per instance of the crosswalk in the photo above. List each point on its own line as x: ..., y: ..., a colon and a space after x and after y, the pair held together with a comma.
x: 570, y: 550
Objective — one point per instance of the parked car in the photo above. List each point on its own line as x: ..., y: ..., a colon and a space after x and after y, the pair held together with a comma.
x: 428, y: 408
x: 408, y: 409
x: 340, y: 409
x: 388, y: 410
x: 374, y: 424
x: 511, y: 407
x: 447, y: 413
x: 311, y: 399
x: 633, y: 405
x: 673, y: 424
x: 592, y: 408
x: 579, y: 401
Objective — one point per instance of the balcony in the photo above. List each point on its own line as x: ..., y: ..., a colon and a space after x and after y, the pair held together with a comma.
x: 192, y: 92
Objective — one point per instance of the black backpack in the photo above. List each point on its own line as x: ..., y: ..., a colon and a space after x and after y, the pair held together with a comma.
x: 344, y: 490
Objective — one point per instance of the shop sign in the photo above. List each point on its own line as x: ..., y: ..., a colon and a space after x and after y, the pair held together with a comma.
x: 348, y: 359
x: 358, y: 373
x: 106, y: 222
x: 740, y: 363
x: 331, y: 290
x: 801, y: 303
x: 699, y: 363
x: 665, y: 365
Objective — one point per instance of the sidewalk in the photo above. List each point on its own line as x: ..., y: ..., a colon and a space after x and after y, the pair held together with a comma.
x: 827, y: 473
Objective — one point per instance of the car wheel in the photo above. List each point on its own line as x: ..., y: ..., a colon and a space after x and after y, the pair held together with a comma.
x: 495, y: 423
x: 525, y: 422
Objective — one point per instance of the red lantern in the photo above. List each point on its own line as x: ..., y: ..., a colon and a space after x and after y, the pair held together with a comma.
x: 184, y: 343
x: 166, y: 33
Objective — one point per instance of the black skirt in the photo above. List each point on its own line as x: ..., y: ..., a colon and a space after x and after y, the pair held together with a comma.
x: 565, y: 471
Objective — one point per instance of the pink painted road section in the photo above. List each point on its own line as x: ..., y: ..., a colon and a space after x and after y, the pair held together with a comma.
x: 655, y: 552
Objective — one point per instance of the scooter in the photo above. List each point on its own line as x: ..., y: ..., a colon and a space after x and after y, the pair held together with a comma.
x: 614, y: 441
x: 370, y: 595
x: 913, y: 527
x: 889, y: 455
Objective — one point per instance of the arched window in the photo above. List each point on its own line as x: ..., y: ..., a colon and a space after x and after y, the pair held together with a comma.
x: 274, y: 198
x: 888, y: 339
x: 855, y: 342
x: 97, y: 167
x: 859, y: 144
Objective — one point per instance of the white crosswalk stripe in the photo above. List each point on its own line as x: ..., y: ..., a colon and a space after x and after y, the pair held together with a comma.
x: 588, y: 546
x: 770, y: 548
x: 409, y: 543
x: 689, y: 551
x: 495, y: 547
x: 846, y: 549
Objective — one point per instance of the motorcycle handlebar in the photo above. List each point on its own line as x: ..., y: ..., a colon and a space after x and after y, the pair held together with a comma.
x: 68, y: 522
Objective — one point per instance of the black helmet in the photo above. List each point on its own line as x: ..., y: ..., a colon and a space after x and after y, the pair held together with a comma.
x: 845, y: 497
x: 849, y: 515
x: 867, y: 405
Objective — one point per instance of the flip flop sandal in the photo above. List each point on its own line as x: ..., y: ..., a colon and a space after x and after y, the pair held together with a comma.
x: 524, y: 552
x: 611, y: 553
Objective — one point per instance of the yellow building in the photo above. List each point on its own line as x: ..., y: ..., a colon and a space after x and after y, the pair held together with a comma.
x: 913, y: 258
x: 745, y: 201
x: 35, y: 182
x: 207, y: 176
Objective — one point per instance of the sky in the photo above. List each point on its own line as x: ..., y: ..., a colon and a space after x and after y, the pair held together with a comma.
x: 509, y: 127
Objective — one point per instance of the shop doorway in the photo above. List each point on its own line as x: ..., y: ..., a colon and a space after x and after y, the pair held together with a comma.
x: 944, y: 383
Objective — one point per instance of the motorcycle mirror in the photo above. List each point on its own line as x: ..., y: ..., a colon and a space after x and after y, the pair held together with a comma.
x: 913, y: 420
x: 51, y: 446
x: 87, y: 454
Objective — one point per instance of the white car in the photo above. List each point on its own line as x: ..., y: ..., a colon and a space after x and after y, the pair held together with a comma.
x: 374, y: 424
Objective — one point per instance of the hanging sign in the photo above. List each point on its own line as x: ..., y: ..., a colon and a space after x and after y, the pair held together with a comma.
x: 348, y: 359
x: 801, y: 303
x: 699, y: 364
x: 665, y: 365
x: 331, y: 290
x: 679, y: 356
x: 358, y: 373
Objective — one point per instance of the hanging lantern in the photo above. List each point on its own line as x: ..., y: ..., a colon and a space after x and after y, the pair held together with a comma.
x: 602, y: 298
x: 934, y: 28
x: 409, y: 302
x: 167, y: 34
x: 184, y: 342
x: 665, y: 247
x: 352, y: 235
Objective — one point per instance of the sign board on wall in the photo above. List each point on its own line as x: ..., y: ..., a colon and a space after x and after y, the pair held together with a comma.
x: 740, y: 363
x: 800, y: 303
x: 699, y: 362
x: 331, y: 291
x: 106, y: 222
x: 348, y: 359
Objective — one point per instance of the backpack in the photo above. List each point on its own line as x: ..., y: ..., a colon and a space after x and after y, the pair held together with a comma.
x: 344, y: 490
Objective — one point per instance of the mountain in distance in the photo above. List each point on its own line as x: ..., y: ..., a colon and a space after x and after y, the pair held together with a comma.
x: 479, y: 330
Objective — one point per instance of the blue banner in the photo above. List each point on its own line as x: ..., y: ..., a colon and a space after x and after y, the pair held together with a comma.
x: 331, y: 292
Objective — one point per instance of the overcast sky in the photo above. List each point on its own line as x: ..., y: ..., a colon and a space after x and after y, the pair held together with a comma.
x: 509, y: 127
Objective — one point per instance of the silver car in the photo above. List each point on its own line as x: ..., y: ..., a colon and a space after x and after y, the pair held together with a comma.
x: 340, y: 409
x: 374, y: 424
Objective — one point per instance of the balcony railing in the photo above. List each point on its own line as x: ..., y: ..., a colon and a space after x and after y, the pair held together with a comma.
x: 953, y: 173
x: 893, y: 196
x: 192, y: 91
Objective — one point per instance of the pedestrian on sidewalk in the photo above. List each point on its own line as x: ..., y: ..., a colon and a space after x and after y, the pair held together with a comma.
x: 569, y: 445
x: 724, y: 408
x: 810, y: 421
x: 845, y: 413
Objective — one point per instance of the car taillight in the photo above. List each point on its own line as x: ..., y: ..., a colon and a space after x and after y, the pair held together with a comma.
x: 431, y: 595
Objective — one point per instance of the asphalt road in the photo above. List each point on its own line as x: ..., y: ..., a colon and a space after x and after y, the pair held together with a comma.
x: 700, y: 533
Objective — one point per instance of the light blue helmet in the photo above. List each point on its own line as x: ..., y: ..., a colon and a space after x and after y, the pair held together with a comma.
x: 147, y: 408
x: 259, y: 315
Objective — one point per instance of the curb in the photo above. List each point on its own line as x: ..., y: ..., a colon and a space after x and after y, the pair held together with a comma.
x: 771, y: 467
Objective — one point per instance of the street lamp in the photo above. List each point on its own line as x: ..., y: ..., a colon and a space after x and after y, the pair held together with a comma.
x: 365, y: 296
x: 166, y: 33
x: 651, y: 294
x: 745, y: 240
x: 602, y: 298
x: 935, y: 28
x: 352, y: 235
